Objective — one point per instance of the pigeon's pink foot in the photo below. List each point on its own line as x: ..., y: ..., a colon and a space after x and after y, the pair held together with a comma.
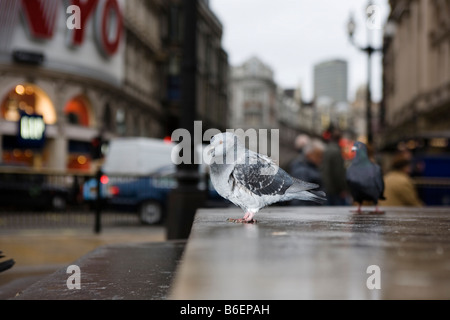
x: 248, y: 219
x: 378, y: 211
x: 359, y: 211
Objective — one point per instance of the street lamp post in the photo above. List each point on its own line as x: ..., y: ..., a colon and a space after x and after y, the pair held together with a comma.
x: 369, y: 50
x: 187, y: 198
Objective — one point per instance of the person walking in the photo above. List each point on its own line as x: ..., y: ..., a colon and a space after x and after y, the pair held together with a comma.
x: 333, y: 171
x: 399, y: 187
x: 309, y: 168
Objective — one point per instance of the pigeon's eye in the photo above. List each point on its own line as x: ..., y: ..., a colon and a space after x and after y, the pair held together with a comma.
x: 221, y: 142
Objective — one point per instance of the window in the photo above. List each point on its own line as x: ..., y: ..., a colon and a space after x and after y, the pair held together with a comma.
x: 28, y: 99
x: 77, y: 111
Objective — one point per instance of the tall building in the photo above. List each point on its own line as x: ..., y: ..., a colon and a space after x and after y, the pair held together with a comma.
x: 416, y: 63
x: 331, y: 80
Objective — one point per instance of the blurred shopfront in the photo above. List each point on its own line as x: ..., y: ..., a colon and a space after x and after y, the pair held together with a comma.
x: 63, y: 87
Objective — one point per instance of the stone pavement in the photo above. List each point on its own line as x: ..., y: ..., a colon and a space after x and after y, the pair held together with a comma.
x: 317, y: 253
x: 39, y: 253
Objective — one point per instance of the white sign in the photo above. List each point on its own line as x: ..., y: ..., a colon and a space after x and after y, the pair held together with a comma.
x: 92, y: 46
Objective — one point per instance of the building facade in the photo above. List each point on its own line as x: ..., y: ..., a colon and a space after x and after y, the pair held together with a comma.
x: 254, y: 96
x: 416, y: 105
x: 254, y: 102
x: 112, y: 69
x: 101, y: 79
x: 358, y: 116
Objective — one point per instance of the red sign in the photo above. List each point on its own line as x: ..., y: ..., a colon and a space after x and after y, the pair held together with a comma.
x: 41, y: 17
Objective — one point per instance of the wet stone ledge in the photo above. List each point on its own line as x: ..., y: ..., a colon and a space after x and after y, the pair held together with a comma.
x: 116, y: 272
x: 317, y: 253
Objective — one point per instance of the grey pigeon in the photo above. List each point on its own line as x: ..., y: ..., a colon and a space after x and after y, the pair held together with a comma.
x: 364, y: 178
x: 250, y: 180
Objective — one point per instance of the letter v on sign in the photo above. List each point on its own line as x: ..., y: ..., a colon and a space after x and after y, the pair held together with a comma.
x: 41, y: 16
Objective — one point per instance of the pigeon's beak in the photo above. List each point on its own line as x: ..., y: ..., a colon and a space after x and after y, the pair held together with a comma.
x: 354, y: 148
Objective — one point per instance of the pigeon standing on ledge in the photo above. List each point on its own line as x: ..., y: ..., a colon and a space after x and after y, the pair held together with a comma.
x: 250, y: 180
x: 364, y: 178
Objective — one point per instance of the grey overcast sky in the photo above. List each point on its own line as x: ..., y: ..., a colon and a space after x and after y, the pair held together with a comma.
x: 291, y: 36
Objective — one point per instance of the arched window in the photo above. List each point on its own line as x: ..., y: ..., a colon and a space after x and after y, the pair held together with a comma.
x: 28, y: 99
x: 77, y: 111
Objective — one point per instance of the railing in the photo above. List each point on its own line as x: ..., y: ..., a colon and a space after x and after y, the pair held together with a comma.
x: 62, y: 200
x: 48, y: 199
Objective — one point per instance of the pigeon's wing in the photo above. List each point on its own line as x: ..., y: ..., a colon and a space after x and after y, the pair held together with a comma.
x: 261, y: 176
x: 379, y: 182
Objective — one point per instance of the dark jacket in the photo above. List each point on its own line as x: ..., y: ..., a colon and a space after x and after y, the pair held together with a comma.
x: 306, y: 171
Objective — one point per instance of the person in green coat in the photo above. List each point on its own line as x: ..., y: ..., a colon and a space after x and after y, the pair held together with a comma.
x: 333, y: 171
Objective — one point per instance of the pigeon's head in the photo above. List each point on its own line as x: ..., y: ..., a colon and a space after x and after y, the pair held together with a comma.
x: 360, y: 148
x: 220, y: 144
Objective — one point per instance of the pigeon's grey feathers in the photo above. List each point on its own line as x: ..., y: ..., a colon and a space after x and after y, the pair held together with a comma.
x: 253, y: 181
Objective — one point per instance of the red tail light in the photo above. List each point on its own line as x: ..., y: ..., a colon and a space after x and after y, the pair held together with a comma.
x: 114, y: 190
x: 104, y: 180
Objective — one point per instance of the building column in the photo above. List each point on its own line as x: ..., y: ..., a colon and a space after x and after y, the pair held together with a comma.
x: 57, y: 149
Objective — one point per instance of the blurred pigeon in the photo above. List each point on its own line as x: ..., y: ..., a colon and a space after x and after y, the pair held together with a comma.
x: 365, y: 178
x: 250, y: 180
x: 6, y: 264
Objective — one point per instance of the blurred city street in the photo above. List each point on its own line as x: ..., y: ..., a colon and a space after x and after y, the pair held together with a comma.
x: 112, y: 122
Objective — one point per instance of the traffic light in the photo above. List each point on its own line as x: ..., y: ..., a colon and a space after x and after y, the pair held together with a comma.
x: 96, y: 148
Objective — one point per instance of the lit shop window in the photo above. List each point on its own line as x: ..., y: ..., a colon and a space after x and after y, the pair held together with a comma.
x: 79, y: 157
x: 27, y: 99
x: 77, y: 111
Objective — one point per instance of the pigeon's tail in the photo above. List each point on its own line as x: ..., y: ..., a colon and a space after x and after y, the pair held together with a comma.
x: 302, y: 190
x: 6, y: 264
x: 316, y: 196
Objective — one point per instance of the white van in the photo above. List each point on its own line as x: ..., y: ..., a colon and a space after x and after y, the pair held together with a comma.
x: 137, y: 156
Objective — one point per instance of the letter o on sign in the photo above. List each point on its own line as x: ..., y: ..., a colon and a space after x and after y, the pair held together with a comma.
x: 109, y: 24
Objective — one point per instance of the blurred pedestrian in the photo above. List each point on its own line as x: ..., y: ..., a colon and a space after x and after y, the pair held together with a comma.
x: 300, y: 142
x: 399, y: 187
x: 333, y: 171
x: 309, y: 168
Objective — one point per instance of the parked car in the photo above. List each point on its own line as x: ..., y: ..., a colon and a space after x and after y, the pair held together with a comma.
x: 32, y: 191
x: 139, y: 175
